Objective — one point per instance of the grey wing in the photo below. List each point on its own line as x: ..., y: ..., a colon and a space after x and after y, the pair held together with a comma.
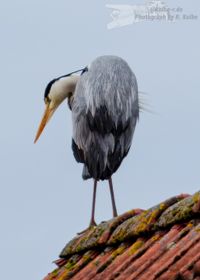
x: 104, y: 113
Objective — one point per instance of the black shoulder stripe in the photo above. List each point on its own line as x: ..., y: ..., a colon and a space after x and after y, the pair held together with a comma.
x: 78, y: 153
x: 103, y: 123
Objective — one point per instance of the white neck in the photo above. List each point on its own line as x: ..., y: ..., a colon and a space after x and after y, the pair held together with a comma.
x: 62, y: 89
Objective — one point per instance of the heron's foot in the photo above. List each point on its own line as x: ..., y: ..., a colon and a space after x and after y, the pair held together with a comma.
x: 91, y: 225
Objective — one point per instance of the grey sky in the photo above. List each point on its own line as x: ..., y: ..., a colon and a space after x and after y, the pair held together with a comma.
x: 43, y: 200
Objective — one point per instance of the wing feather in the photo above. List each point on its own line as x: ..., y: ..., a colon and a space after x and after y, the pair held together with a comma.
x: 104, y: 114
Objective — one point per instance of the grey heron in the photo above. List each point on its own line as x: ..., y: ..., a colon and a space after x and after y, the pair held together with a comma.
x: 103, y: 98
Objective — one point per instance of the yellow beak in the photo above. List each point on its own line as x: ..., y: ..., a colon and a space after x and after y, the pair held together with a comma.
x: 46, y: 117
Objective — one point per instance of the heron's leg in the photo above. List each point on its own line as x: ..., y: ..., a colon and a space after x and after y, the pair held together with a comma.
x: 112, y: 197
x: 92, y: 221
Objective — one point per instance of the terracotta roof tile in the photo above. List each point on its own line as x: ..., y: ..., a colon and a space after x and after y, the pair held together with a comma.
x: 160, y: 243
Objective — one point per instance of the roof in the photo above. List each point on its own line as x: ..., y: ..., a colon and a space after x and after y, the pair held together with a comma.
x: 160, y: 243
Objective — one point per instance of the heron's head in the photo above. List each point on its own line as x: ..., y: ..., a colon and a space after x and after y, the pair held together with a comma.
x: 55, y: 93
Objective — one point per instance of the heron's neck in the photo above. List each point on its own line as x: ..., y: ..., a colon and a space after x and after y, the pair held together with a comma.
x: 63, y: 88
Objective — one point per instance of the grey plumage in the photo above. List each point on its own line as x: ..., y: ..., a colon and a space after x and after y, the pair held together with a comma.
x: 105, y: 110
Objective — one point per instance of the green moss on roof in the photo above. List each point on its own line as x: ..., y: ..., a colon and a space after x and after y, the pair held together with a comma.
x: 179, y: 212
x: 137, y: 237
x: 135, y: 223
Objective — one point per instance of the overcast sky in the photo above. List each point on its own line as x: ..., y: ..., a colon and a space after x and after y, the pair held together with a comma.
x: 44, y: 202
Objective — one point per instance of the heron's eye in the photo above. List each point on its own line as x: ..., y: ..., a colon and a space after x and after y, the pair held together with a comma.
x: 47, y: 100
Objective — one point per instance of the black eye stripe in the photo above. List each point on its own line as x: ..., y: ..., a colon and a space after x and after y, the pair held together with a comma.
x: 48, y: 88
